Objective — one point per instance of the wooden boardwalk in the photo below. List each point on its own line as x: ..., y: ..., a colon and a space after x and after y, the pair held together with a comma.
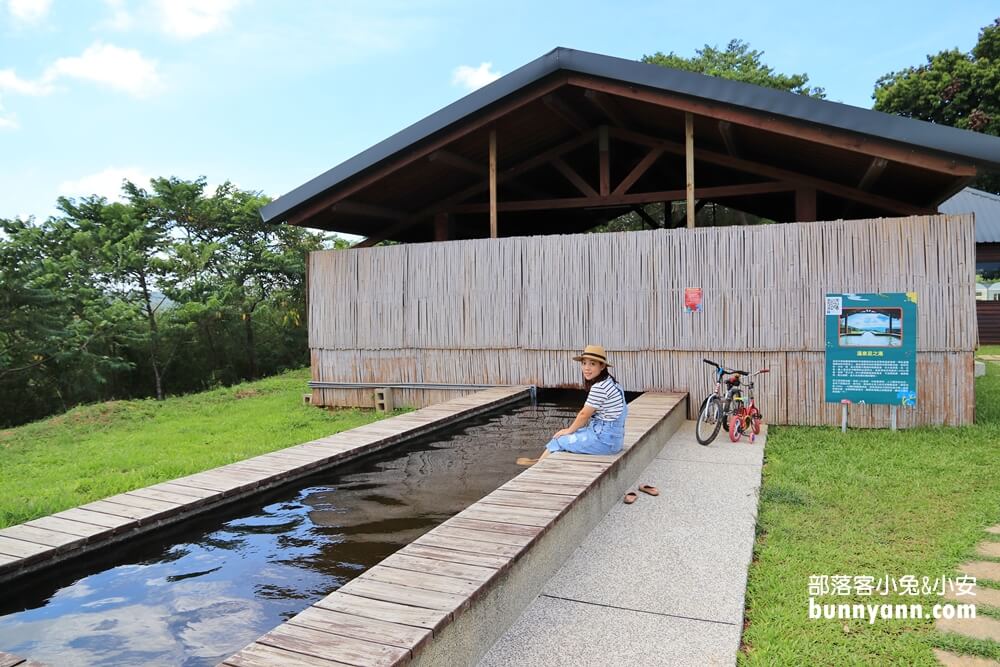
x: 11, y: 660
x: 46, y: 541
x: 388, y: 614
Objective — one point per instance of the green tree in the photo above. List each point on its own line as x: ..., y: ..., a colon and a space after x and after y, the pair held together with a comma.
x: 131, y: 253
x: 739, y: 62
x: 952, y: 88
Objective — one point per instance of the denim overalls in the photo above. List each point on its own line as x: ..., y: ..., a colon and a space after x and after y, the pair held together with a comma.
x: 597, y: 437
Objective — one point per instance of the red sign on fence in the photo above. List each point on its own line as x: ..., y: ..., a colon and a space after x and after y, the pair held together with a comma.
x: 692, y: 299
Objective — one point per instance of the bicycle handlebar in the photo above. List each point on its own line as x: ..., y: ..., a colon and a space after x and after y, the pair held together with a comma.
x: 723, y: 369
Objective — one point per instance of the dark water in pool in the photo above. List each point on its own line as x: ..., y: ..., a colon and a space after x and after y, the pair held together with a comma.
x: 196, y: 593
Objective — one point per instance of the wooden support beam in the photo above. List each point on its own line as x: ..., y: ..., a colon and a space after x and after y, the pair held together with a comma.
x: 759, y: 169
x: 448, y: 203
x: 726, y: 130
x: 772, y: 123
x: 493, y: 183
x: 573, y: 177
x: 689, y: 167
x: 367, y: 210
x: 872, y: 173
x: 805, y: 205
x: 458, y: 162
x: 646, y: 217
x: 604, y: 162
x: 638, y: 170
x: 565, y: 112
x: 442, y: 227
x: 596, y: 201
x: 607, y: 106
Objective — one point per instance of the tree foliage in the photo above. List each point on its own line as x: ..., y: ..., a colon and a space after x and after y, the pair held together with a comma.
x: 952, y: 88
x: 738, y: 62
x: 173, y: 290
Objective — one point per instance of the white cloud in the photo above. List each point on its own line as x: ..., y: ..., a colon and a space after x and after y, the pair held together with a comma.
x: 120, y: 18
x: 11, y: 82
x: 29, y: 11
x: 106, y: 183
x: 474, y: 77
x: 8, y: 121
x: 122, y: 69
x: 187, y: 19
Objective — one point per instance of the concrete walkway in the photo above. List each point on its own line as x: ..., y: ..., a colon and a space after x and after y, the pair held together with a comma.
x: 660, y: 581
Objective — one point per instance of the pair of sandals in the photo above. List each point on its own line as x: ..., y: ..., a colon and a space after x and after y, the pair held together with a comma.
x: 631, y: 496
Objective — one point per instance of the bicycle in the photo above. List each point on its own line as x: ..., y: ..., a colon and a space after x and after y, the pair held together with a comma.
x: 713, y: 414
x: 746, y: 416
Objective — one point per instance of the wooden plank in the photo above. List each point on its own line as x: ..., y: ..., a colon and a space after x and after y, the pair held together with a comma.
x: 147, y: 503
x: 511, y: 515
x: 604, y: 162
x: 476, y: 533
x: 7, y: 560
x: 689, y: 167
x: 389, y: 612
x: 115, y: 509
x: 425, y: 550
x: 181, y: 490
x: 95, y: 518
x: 334, y: 647
x: 165, y: 496
x: 262, y: 655
x: 431, y: 582
x: 368, y: 629
x: 443, y: 568
x: 22, y: 549
x: 58, y: 524
x: 42, y: 536
x: 544, y: 486
x: 493, y: 183
x: 454, y: 543
x: 401, y: 594
x: 10, y: 660
x: 522, y: 499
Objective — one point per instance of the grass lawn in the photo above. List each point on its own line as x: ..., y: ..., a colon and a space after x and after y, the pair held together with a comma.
x: 99, y: 450
x: 988, y: 349
x: 869, y: 503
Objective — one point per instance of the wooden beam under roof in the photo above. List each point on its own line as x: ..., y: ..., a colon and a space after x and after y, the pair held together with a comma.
x: 713, y: 192
x: 565, y: 112
x: 573, y: 177
x: 759, y: 169
x: 367, y: 210
x: 608, y: 107
x: 771, y: 123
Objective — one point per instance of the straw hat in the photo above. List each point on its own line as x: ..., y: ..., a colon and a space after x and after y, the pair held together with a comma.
x: 595, y: 352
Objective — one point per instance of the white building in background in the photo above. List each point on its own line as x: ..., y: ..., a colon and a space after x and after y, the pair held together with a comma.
x: 982, y: 292
x: 993, y: 294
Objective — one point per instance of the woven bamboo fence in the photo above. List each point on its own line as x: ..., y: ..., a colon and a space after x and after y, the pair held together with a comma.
x: 513, y: 310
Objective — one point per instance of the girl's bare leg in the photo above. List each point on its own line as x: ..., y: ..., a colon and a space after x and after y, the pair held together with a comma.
x: 525, y: 461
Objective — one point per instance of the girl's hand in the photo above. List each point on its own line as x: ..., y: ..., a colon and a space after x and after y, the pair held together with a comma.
x: 560, y: 433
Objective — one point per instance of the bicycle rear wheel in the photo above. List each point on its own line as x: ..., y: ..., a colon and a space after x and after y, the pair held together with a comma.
x: 710, y: 416
x: 736, y: 424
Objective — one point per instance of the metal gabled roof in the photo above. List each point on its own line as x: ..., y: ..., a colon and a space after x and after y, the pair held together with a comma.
x: 971, y: 146
x: 986, y: 207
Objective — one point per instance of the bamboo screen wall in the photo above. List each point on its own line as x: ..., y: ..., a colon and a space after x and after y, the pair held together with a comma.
x: 514, y: 310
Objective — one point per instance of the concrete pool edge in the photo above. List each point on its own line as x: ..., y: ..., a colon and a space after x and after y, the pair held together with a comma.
x: 472, y: 633
x: 39, y: 544
x: 449, y: 595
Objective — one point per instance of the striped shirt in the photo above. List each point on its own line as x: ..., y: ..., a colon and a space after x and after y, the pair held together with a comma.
x: 606, y: 399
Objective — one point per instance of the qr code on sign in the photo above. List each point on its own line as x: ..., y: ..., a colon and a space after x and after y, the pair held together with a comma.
x: 834, y: 305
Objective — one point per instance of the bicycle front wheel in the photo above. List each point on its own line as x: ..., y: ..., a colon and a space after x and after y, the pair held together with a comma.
x: 710, y: 416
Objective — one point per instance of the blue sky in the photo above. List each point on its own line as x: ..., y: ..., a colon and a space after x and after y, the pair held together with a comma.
x: 269, y: 94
